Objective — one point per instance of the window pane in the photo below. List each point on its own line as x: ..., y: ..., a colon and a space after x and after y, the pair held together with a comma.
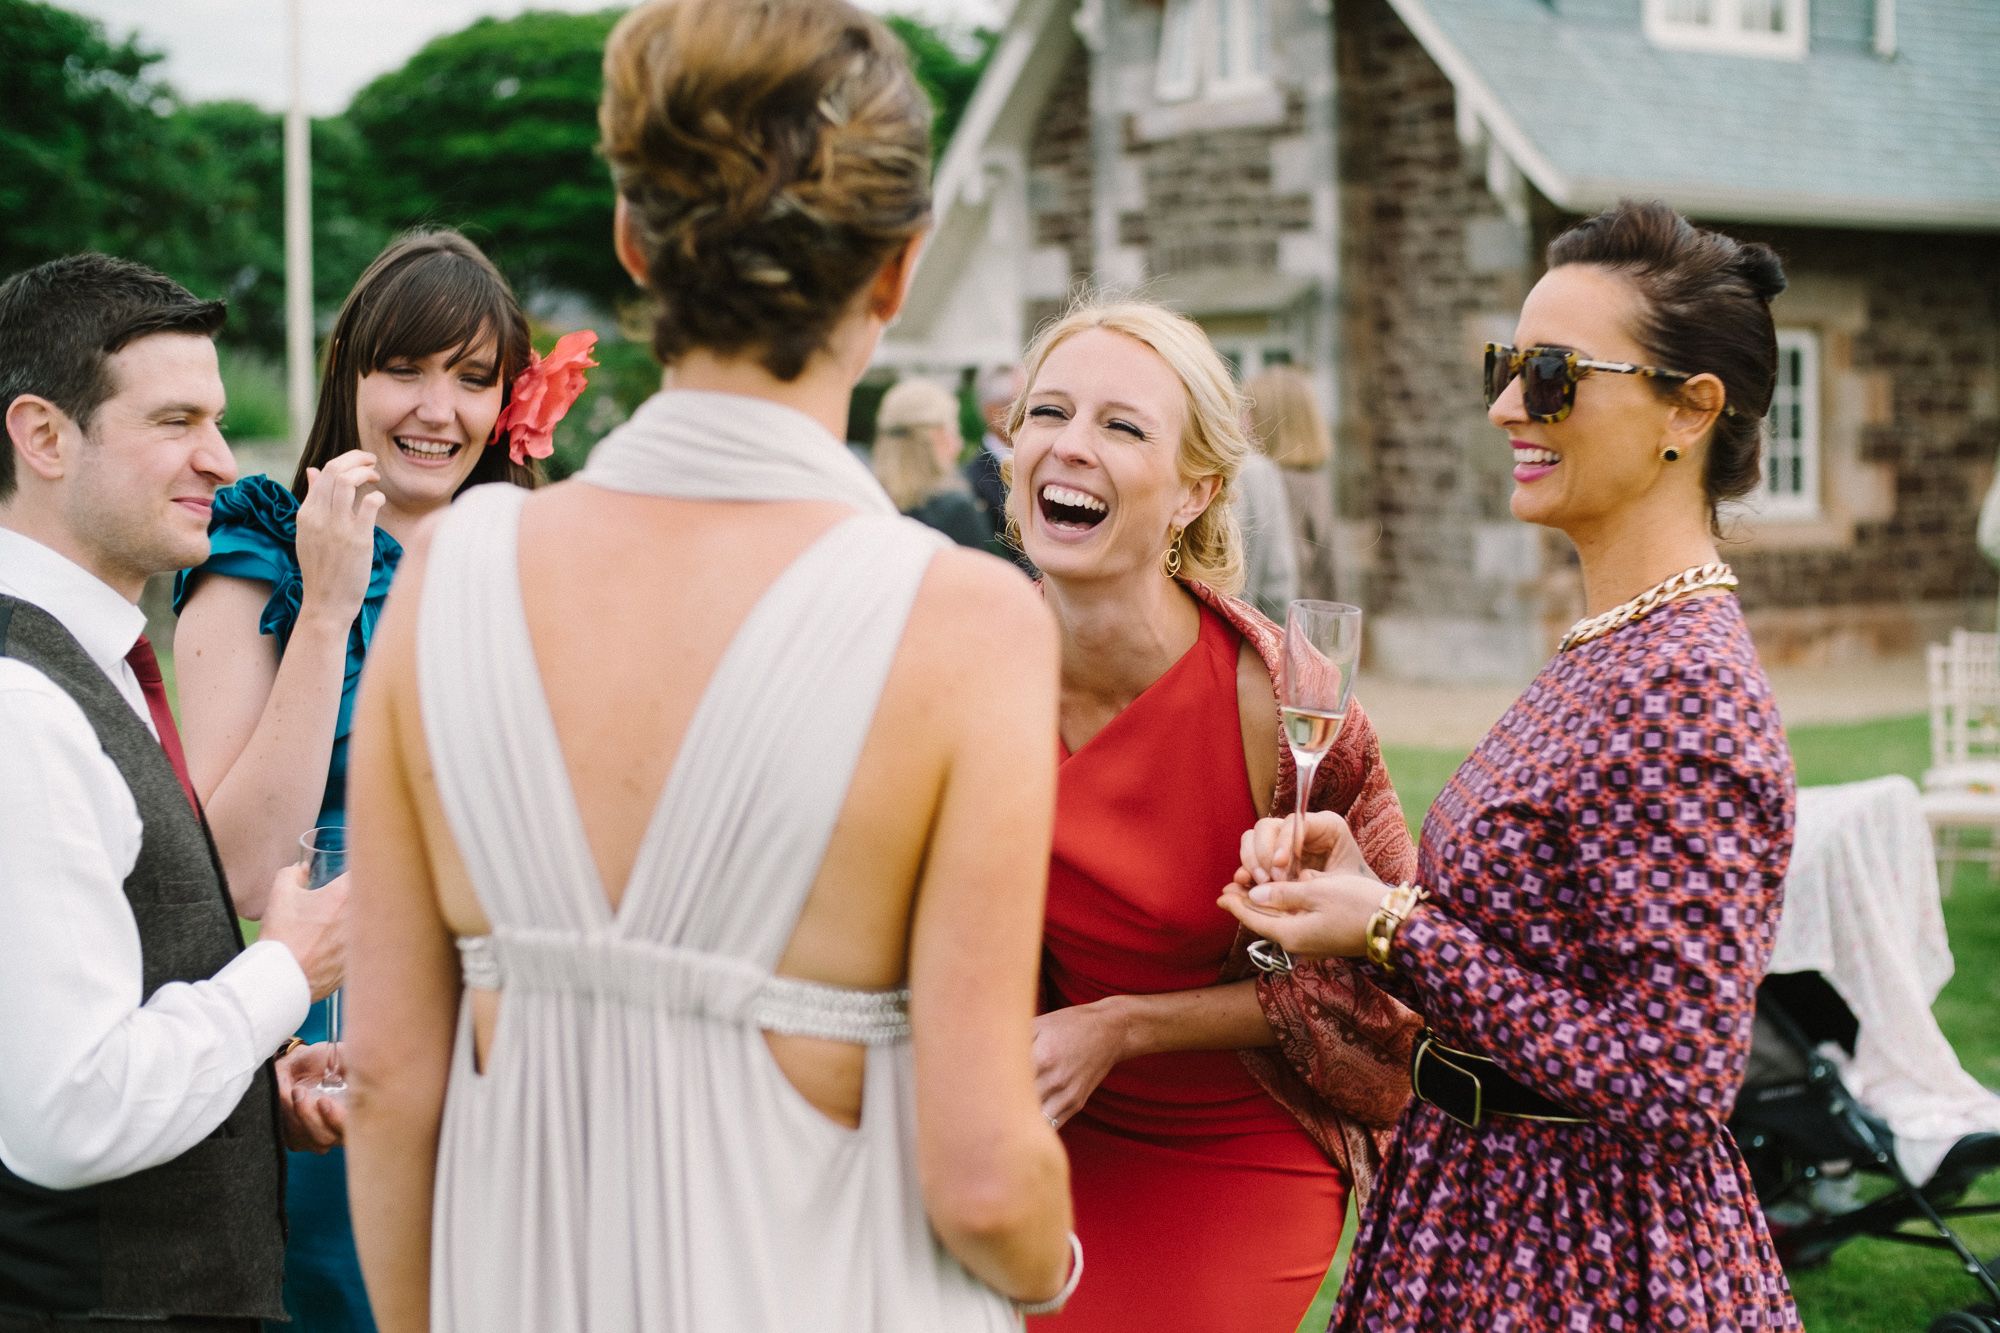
x: 1791, y: 459
x: 1176, y: 75
x: 1760, y: 15
x: 1228, y: 46
x: 1698, y: 12
x: 1260, y: 36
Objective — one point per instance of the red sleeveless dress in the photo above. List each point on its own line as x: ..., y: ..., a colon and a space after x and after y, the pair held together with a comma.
x: 1201, y: 1203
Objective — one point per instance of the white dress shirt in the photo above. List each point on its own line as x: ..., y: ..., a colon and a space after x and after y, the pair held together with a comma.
x: 93, y: 1084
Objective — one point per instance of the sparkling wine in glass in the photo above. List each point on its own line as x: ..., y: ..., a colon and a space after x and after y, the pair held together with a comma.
x: 326, y: 860
x: 1315, y: 687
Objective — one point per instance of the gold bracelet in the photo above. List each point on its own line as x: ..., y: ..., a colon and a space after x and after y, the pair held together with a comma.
x: 292, y: 1043
x: 1397, y: 905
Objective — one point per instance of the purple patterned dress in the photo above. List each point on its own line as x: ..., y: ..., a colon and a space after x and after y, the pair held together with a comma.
x: 1606, y: 872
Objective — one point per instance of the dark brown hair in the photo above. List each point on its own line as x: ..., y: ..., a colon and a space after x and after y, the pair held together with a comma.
x: 428, y: 292
x: 773, y: 155
x: 1704, y: 307
x: 61, y: 323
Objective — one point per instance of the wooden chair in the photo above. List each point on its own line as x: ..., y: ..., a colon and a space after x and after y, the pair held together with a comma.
x: 1962, y: 787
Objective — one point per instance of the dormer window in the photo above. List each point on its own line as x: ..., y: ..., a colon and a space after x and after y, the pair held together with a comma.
x: 1735, y: 27
x: 1213, y: 48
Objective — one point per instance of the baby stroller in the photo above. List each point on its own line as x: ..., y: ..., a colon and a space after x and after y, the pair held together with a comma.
x: 1801, y: 1132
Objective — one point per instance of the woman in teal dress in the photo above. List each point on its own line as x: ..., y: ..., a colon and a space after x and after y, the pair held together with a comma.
x: 424, y: 394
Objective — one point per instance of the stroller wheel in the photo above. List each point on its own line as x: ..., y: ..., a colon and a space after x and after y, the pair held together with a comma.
x: 1964, y: 1321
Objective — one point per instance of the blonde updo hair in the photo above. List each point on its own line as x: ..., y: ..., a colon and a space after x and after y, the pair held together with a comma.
x: 1212, y: 440
x: 773, y: 155
x: 1285, y: 420
x: 905, y: 451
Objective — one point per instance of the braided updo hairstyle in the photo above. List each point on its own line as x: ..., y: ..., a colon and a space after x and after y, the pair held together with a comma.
x: 773, y: 154
x: 1704, y: 305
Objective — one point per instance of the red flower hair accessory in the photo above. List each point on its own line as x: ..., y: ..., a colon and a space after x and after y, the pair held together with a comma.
x: 543, y: 393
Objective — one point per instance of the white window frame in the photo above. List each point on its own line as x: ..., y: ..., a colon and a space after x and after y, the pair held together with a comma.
x: 1182, y: 26
x: 1213, y: 48
x: 1723, y: 32
x: 1249, y: 353
x: 1794, y: 402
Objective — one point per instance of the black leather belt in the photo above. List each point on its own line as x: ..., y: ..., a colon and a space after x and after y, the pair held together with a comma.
x: 1469, y: 1088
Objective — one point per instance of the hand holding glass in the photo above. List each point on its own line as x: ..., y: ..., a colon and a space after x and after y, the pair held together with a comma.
x: 326, y: 860
x: 1315, y: 687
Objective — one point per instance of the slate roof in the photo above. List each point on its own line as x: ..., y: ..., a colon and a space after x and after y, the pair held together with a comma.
x: 1589, y: 109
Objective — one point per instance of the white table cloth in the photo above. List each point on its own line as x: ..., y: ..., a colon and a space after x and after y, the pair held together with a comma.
x: 1862, y: 909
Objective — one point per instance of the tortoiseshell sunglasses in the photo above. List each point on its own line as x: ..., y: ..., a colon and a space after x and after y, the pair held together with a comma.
x: 1549, y: 376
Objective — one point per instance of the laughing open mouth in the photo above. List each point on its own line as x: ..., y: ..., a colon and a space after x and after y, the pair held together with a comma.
x: 429, y: 451
x: 1071, y: 510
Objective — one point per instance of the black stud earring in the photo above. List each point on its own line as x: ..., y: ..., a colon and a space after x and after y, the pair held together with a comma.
x: 1670, y: 454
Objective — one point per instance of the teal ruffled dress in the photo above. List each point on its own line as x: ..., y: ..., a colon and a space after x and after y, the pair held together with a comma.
x: 253, y: 534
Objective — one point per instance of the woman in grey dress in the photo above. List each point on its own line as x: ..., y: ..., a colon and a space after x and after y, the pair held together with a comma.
x: 697, y: 983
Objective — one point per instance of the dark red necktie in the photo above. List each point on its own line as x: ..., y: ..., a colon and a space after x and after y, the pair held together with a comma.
x: 146, y: 666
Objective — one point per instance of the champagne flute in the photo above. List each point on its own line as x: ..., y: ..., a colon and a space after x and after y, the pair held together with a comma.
x: 1315, y: 686
x: 326, y: 860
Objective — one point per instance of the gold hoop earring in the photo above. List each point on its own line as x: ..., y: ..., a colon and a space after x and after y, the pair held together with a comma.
x: 1670, y: 455
x: 1173, y: 560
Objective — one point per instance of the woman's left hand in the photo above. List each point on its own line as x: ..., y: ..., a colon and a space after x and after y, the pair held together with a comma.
x: 1320, y: 916
x: 1074, y: 1049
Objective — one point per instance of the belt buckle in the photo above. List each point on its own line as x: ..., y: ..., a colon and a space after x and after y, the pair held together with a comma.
x: 1430, y: 1046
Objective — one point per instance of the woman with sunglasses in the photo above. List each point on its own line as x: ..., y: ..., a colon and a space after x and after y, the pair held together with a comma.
x: 1598, y: 886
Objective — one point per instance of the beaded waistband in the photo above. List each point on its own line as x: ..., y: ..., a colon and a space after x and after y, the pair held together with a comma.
x: 688, y: 981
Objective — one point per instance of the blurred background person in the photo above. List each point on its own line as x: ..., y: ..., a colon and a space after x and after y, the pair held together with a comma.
x: 1286, y: 423
x: 917, y: 444
x: 997, y: 388
x: 1270, y: 562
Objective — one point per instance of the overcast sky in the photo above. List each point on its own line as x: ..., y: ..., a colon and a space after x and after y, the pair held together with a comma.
x: 237, y: 48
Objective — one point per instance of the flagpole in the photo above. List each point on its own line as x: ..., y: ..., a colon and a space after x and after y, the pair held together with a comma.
x: 298, y: 239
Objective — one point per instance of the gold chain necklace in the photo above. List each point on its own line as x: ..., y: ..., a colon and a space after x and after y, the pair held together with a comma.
x: 1684, y: 584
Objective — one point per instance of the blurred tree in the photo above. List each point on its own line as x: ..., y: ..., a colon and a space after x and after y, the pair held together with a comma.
x: 219, y: 190
x: 493, y: 129
x: 79, y: 137
x: 948, y: 65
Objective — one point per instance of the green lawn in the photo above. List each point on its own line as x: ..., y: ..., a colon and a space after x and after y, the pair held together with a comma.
x: 1869, y: 1286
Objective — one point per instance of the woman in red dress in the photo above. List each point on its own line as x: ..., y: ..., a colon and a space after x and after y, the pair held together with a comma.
x: 1604, y: 873
x: 1215, y: 1123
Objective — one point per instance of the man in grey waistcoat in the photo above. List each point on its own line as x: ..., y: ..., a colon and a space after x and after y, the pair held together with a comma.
x: 141, y: 1107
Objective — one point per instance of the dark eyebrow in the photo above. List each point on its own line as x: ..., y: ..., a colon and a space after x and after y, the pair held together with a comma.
x: 166, y: 410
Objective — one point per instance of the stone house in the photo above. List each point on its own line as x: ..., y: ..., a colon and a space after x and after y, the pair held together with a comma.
x: 1365, y: 188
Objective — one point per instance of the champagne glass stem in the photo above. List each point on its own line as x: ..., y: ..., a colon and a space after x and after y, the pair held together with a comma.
x: 1308, y: 768
x: 334, y: 1077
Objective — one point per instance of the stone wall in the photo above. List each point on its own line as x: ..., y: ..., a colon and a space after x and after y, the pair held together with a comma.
x: 1434, y: 268
x: 1209, y: 197
x: 1060, y: 179
x: 1909, y: 328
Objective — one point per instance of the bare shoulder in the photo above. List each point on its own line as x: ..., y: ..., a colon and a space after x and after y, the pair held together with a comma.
x: 224, y: 599
x: 974, y: 607
x: 392, y: 651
